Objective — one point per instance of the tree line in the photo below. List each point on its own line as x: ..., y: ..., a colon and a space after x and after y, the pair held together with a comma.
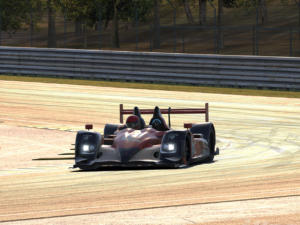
x: 14, y: 13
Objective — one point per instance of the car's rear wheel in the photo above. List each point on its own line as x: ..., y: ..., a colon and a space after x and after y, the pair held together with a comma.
x: 211, y: 145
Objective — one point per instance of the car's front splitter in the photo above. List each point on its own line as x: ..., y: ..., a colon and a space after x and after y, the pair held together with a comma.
x: 110, y: 157
x: 136, y: 164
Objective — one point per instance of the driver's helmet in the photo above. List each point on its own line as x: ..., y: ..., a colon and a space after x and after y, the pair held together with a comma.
x: 157, y: 124
x: 133, y: 122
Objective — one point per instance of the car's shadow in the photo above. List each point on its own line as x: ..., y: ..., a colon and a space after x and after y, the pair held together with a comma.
x: 54, y: 159
x: 140, y: 168
x: 64, y: 156
x: 115, y: 168
x: 61, y: 157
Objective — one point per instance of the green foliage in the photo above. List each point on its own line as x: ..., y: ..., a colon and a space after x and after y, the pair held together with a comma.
x: 230, y: 3
x: 88, y: 10
x: 128, y: 9
x: 240, y: 3
x: 284, y: 2
x: 15, y: 12
x: 246, y: 3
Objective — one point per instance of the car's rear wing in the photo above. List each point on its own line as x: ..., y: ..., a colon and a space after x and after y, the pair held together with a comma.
x: 167, y: 111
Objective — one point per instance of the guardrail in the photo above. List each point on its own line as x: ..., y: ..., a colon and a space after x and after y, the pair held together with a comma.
x: 176, y: 68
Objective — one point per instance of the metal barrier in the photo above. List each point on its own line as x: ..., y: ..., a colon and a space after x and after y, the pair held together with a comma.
x: 175, y: 68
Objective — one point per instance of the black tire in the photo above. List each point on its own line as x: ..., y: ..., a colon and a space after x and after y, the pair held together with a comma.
x: 109, y: 129
x: 208, y: 132
x: 186, y: 159
x: 211, y: 144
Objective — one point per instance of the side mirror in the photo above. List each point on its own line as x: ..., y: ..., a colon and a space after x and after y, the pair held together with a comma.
x: 188, y: 125
x: 89, y: 126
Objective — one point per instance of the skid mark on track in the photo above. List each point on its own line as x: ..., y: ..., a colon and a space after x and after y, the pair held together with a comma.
x: 67, y: 129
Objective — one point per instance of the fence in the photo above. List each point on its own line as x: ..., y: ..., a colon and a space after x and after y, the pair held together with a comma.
x: 192, y: 69
x: 240, y: 32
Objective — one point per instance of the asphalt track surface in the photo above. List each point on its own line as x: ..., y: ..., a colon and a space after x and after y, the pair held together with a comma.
x: 254, y: 180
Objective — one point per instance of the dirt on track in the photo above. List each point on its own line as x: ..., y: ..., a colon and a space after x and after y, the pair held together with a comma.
x: 255, y: 179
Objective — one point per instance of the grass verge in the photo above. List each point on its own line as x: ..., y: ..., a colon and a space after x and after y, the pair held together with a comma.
x: 151, y: 86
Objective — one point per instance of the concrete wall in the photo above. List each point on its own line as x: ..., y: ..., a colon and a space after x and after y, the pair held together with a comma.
x: 196, y: 69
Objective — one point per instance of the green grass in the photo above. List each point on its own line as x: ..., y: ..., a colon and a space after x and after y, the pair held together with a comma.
x: 167, y: 87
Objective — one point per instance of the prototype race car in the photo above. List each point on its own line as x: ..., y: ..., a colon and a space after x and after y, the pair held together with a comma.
x: 137, y: 144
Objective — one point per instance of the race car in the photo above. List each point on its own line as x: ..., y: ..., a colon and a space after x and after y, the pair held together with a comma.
x: 135, y: 144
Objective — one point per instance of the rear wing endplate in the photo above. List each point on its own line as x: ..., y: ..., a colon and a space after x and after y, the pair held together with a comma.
x: 167, y: 111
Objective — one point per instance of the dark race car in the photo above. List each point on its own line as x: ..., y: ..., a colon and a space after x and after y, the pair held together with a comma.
x: 136, y: 144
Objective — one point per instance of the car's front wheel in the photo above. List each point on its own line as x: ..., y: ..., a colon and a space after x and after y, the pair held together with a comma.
x: 186, y: 158
x: 208, y: 132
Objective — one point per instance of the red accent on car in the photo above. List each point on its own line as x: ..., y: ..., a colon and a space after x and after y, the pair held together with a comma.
x: 160, y: 133
x: 137, y: 139
x: 89, y: 126
x: 188, y: 125
x: 132, y: 119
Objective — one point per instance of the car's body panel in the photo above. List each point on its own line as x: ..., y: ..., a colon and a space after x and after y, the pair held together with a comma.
x: 129, y: 138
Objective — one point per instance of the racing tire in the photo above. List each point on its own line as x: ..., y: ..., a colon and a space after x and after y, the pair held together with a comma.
x: 186, y: 154
x: 186, y: 157
x: 208, y: 132
x: 109, y: 129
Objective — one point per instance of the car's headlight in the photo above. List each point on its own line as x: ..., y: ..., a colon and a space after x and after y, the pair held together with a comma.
x: 170, y: 147
x: 87, y: 148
